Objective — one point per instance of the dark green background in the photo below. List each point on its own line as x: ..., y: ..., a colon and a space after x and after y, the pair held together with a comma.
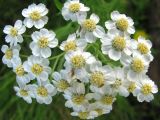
x: 147, y: 18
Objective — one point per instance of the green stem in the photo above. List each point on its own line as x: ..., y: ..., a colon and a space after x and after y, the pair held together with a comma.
x: 24, y: 56
x: 54, y: 57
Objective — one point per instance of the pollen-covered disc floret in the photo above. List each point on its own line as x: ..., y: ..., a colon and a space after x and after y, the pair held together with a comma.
x: 90, y: 68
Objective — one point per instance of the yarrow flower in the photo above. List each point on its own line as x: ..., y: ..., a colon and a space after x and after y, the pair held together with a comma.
x: 37, y: 67
x: 35, y: 15
x: 90, y: 29
x: 14, y: 33
x: 89, y: 74
x: 43, y: 40
x: 73, y: 10
x: 115, y: 44
x: 121, y: 22
x: 11, y: 54
x: 72, y: 43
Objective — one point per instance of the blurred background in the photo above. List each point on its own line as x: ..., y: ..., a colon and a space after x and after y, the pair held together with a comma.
x: 146, y: 15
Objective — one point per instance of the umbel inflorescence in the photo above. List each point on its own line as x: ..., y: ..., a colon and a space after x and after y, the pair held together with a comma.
x: 89, y: 85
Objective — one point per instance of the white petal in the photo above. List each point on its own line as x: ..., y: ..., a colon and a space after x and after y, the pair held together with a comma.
x: 46, y: 52
x: 53, y: 43
x: 95, y: 18
x: 115, y: 55
x: 99, y: 32
x: 4, y: 48
x: 50, y: 88
x: 48, y: 100
x: 109, y: 24
x: 90, y: 37
x: 114, y: 15
x: 44, y: 76
x: 28, y: 22
x: 56, y: 76
x: 39, y: 24
x: 131, y: 30
x: 7, y: 29
x: 25, y: 13
x: 18, y: 24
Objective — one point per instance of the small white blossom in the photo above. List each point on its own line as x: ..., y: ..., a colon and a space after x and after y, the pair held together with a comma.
x: 73, y: 10
x: 25, y: 92
x: 11, y: 54
x: 21, y: 76
x: 90, y: 30
x: 37, y: 67
x: 78, y: 61
x: 145, y: 90
x: 135, y: 65
x: 143, y: 46
x: 72, y: 43
x: 115, y: 44
x: 43, y: 40
x: 62, y: 80
x: 44, y: 92
x: 14, y: 33
x: 75, y: 97
x: 35, y: 15
x: 99, y: 76
x: 121, y: 22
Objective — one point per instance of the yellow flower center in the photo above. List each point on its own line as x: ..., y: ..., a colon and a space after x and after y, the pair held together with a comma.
x: 35, y: 15
x: 63, y: 85
x: 78, y: 99
x: 97, y: 78
x: 13, y: 32
x: 78, y: 61
x: 37, y: 69
x: 20, y: 70
x: 43, y: 42
x: 71, y: 45
x: 119, y: 43
x: 117, y: 83
x: 146, y: 89
x: 122, y: 24
x: 42, y: 91
x: 132, y: 87
x: 83, y: 115
x: 143, y: 49
x: 137, y: 65
x: 89, y: 25
x: 99, y: 111
x: 8, y: 54
x: 75, y: 7
x: 107, y: 100
x: 23, y: 92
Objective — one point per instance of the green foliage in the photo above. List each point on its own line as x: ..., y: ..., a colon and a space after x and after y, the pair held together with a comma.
x: 14, y: 108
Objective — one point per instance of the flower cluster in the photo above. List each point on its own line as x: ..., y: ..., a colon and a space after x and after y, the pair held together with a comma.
x: 89, y: 85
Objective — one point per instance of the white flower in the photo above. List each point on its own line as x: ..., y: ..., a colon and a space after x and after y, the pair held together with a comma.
x: 143, y: 46
x: 37, y: 67
x: 14, y: 33
x: 73, y: 10
x: 145, y: 90
x: 21, y: 76
x: 90, y: 29
x: 72, y: 43
x: 24, y: 92
x: 85, y: 114
x: 114, y: 44
x: 117, y: 85
x: 135, y: 65
x: 35, y: 15
x: 78, y: 61
x: 62, y: 80
x: 104, y: 101
x: 11, y: 54
x: 44, y: 92
x: 76, y: 97
x: 131, y: 86
x: 43, y: 40
x: 121, y: 22
x: 99, y: 76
